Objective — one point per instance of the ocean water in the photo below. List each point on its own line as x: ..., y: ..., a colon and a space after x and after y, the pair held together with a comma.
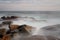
x: 37, y: 19
x: 34, y: 19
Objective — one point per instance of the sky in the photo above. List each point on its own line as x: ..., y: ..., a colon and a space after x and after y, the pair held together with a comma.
x: 29, y: 5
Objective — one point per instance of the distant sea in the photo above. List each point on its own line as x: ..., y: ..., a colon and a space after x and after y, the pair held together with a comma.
x: 52, y: 17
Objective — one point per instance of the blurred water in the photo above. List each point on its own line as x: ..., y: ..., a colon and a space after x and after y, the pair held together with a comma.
x: 35, y: 19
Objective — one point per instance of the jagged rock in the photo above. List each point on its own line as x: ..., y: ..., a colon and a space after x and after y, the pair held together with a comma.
x: 25, y: 27
x: 21, y: 28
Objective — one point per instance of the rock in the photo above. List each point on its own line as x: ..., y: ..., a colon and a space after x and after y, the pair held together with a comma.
x: 6, y: 37
x: 40, y: 37
x: 13, y: 17
x: 25, y: 28
x: 6, y: 22
x: 53, y: 30
x: 1, y: 35
x: 9, y: 18
x: 13, y: 27
x: 3, y: 17
x: 3, y: 31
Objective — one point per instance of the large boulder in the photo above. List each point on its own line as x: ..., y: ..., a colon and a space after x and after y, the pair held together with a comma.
x: 25, y: 28
x: 21, y: 28
x: 40, y: 37
x: 53, y: 30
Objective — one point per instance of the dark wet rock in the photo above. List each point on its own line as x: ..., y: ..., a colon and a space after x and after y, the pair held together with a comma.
x: 14, y: 17
x: 3, y: 17
x: 8, y: 32
x: 22, y: 26
x: 9, y: 17
x: 1, y: 35
x: 22, y: 29
x: 6, y: 22
x: 25, y: 28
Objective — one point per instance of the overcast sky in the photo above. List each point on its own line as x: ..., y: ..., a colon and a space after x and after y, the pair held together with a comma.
x: 25, y: 5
